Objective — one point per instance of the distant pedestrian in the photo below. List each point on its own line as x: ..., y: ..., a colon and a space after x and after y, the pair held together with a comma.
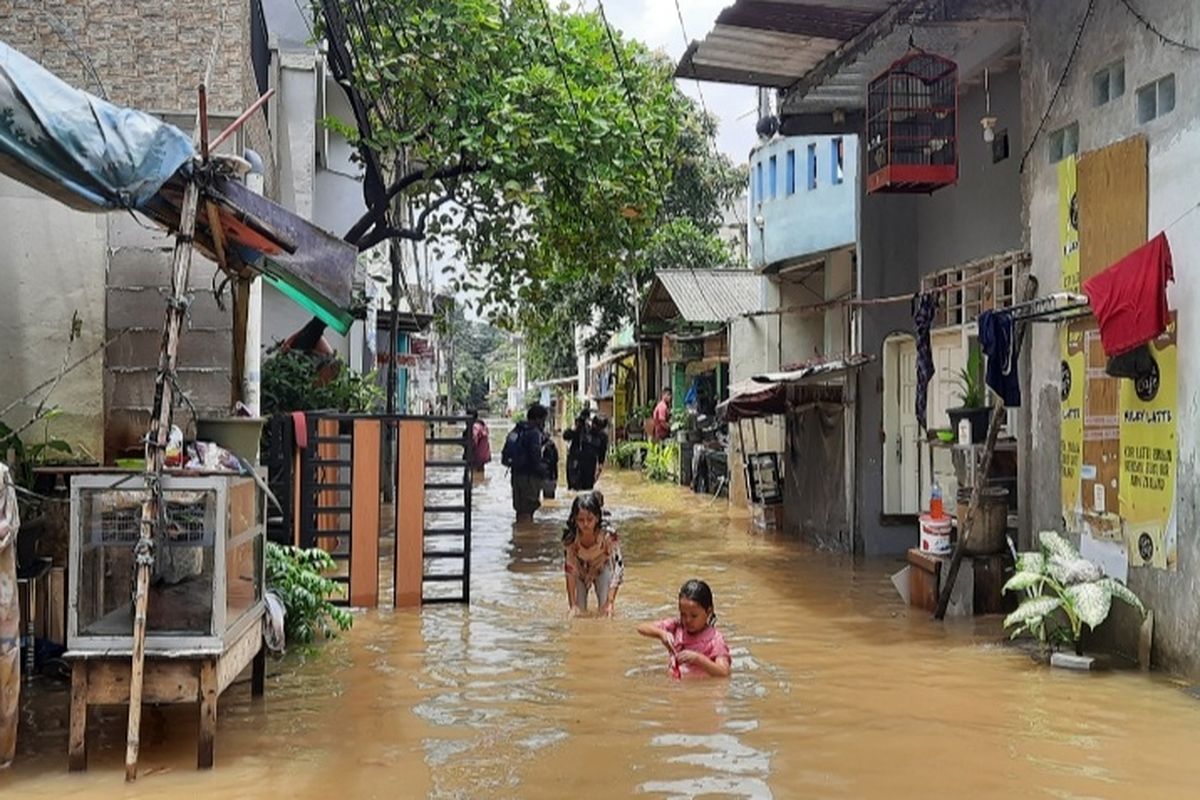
x: 522, y: 454
x: 697, y: 648
x: 662, y: 416
x: 591, y: 556
x: 481, y: 445
x: 582, y: 455
x: 600, y: 442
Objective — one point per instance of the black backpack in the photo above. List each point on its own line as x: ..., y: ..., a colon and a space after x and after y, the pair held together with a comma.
x: 511, y: 451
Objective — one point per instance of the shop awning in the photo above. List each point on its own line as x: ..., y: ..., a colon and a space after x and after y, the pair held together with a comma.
x: 814, y: 372
x: 750, y: 400
x: 95, y: 156
x: 616, y: 355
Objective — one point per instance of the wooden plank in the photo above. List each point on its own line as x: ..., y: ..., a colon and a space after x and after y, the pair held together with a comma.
x: 364, y: 517
x: 1114, y: 204
x: 410, y: 513
x: 163, y: 682
x: 77, y: 747
x: 258, y: 676
x: 206, y: 745
x: 239, y: 656
x: 296, y: 497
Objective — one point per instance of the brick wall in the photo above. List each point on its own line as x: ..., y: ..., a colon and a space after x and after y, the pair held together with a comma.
x: 151, y: 56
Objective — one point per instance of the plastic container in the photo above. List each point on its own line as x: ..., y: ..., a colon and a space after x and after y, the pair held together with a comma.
x: 935, y: 535
x: 239, y: 435
x: 936, y: 510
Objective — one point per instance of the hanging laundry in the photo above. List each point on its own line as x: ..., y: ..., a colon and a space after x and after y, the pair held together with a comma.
x: 999, y: 344
x: 1137, y: 364
x: 1129, y: 298
x: 923, y: 308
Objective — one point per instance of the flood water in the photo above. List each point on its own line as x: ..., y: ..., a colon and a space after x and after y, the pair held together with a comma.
x: 838, y: 691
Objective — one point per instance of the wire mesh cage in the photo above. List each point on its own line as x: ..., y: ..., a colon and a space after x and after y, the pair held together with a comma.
x: 912, y: 125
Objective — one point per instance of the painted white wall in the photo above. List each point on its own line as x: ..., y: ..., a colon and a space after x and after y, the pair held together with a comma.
x: 52, y: 265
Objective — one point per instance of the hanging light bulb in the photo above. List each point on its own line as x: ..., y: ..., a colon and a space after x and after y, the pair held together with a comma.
x: 988, y: 122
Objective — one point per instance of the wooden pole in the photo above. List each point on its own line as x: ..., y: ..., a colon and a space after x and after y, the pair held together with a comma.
x: 156, y: 444
x: 989, y: 450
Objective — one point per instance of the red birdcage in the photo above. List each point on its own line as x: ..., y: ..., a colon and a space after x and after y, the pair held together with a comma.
x: 912, y: 125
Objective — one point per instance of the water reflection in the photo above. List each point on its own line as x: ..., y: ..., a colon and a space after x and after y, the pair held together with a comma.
x: 837, y: 691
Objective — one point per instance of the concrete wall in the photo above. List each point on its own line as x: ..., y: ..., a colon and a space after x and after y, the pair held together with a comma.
x: 808, y: 220
x: 116, y: 264
x: 52, y: 267
x: 1174, y: 173
x: 900, y: 239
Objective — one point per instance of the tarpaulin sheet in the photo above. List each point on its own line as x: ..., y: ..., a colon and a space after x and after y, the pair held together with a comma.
x: 83, y: 151
x: 814, y: 493
x: 749, y: 400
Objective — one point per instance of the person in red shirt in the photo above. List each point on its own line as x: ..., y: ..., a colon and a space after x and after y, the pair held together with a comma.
x: 662, y: 417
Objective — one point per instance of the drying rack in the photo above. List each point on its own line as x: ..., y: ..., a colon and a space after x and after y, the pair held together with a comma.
x: 1056, y: 307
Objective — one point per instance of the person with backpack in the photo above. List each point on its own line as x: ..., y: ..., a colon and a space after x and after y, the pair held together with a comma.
x: 522, y: 454
x: 581, y: 460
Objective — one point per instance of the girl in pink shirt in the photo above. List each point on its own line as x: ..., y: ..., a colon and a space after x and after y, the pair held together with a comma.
x: 696, y: 646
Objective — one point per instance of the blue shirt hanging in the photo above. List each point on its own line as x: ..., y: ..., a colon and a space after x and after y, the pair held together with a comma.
x: 998, y: 343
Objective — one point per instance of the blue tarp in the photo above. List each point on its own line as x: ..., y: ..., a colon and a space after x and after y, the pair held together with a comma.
x: 79, y: 149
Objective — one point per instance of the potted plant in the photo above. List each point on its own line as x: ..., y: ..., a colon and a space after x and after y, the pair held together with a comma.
x: 1063, y: 592
x: 973, y: 396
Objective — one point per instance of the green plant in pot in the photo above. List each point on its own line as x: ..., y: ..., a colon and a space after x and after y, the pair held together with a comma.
x: 1063, y: 592
x: 973, y: 396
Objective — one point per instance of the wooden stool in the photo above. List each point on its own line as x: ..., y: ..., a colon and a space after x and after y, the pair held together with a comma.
x: 99, y: 679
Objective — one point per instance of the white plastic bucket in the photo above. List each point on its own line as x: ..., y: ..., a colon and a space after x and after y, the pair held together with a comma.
x: 935, y: 535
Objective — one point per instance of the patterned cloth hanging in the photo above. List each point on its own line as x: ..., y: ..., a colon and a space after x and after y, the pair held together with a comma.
x: 924, y: 306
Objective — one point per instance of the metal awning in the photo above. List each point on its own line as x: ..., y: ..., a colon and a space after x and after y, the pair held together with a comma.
x: 702, y: 296
x: 555, y: 382
x: 821, y: 54
x: 615, y: 355
x: 772, y: 43
x: 811, y: 372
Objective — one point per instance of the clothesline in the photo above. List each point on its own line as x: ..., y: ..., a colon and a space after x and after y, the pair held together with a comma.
x: 849, y: 301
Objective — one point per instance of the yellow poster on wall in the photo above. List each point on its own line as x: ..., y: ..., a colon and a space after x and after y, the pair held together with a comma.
x: 1068, y: 223
x: 1074, y: 360
x: 1074, y: 367
x: 1149, y: 456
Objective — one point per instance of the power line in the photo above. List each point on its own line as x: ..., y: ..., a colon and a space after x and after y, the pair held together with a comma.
x: 1150, y: 26
x: 1087, y: 15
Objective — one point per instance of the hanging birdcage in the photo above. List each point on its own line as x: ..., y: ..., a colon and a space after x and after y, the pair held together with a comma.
x: 912, y: 125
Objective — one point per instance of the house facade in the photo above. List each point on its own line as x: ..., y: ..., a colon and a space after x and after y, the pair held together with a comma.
x: 1076, y: 140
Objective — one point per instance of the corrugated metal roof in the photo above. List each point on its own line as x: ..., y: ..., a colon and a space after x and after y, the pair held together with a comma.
x: 773, y: 42
x: 821, y: 54
x: 703, y: 295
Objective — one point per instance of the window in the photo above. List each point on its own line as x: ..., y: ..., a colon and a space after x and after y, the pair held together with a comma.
x: 812, y: 166
x: 1064, y: 142
x: 791, y: 172
x: 1109, y: 83
x: 837, y: 159
x: 1156, y: 99
x: 773, y: 178
x: 758, y: 182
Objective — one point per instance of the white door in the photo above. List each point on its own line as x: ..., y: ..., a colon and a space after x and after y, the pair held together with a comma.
x: 902, y: 454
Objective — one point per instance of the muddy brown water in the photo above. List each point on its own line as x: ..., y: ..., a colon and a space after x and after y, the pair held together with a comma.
x: 838, y: 691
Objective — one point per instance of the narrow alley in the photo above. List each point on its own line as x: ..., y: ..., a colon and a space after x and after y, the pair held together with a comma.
x: 838, y: 690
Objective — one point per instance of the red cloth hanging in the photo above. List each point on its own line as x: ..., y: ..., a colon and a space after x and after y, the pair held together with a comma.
x: 1129, y: 298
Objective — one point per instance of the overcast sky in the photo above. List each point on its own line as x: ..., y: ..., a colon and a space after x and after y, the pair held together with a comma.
x: 656, y: 23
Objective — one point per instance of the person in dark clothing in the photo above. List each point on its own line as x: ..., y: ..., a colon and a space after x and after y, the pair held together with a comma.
x: 581, y: 456
x: 522, y: 454
x: 600, y: 440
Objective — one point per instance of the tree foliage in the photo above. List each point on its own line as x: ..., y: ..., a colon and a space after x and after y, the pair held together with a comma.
x: 539, y: 149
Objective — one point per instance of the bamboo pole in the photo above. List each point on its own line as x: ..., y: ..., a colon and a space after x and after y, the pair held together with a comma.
x: 156, y: 444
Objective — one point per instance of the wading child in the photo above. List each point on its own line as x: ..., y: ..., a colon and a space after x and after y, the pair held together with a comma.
x: 591, y: 556
x: 696, y: 646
